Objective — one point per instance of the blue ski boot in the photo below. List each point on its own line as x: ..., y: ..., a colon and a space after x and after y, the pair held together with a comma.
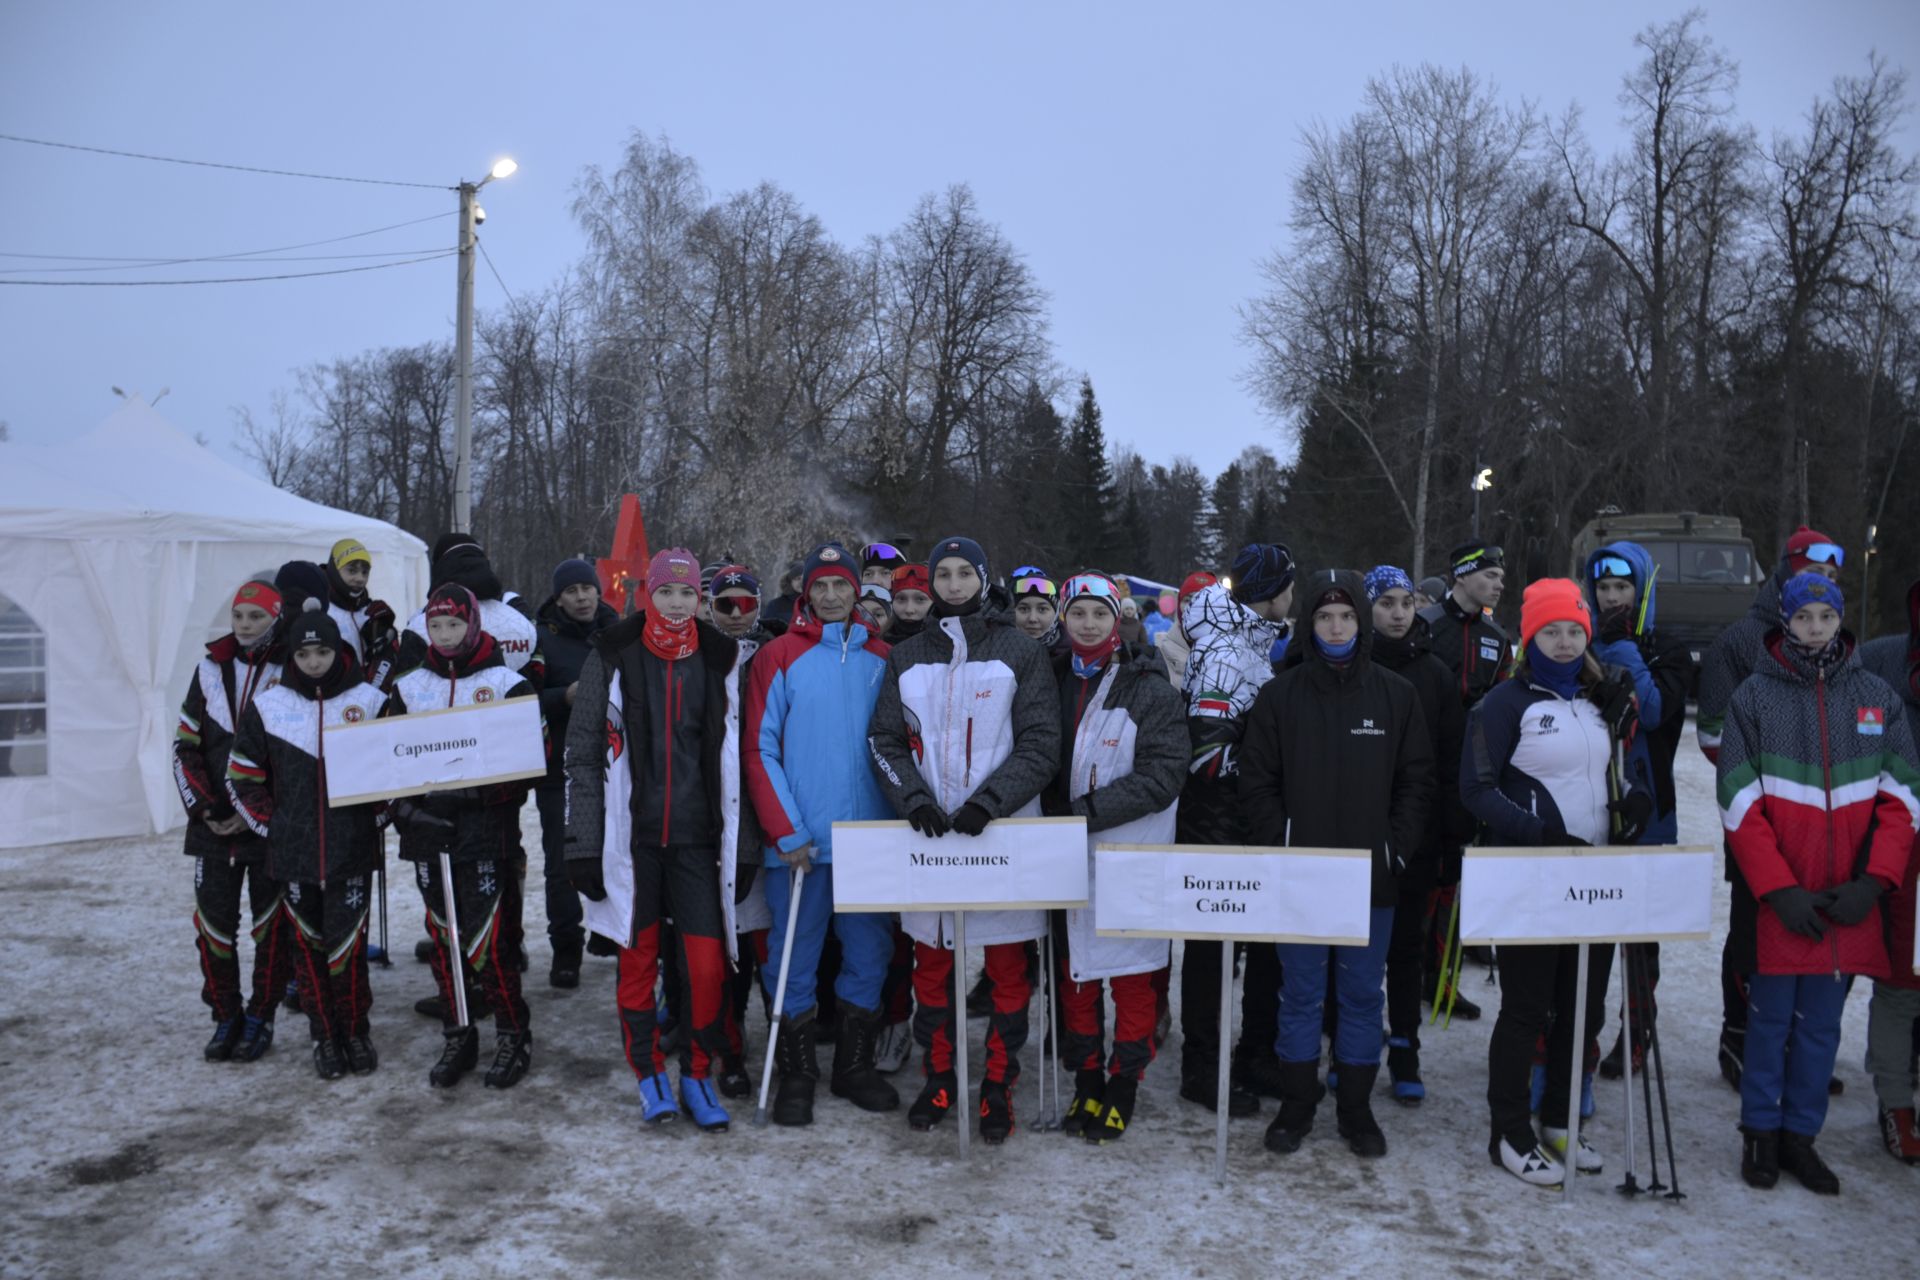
x: 656, y: 1100
x: 703, y: 1104
x: 1403, y: 1065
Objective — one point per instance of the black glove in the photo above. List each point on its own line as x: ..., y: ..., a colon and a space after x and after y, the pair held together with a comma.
x: 971, y: 820
x: 1448, y: 872
x: 1853, y: 901
x: 928, y: 821
x: 587, y: 878
x: 1796, y: 909
x: 419, y: 820
x: 1615, y: 700
x: 1616, y: 624
x: 1635, y: 811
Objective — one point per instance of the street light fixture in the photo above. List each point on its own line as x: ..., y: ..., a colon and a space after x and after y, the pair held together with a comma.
x: 470, y: 217
x: 1482, y: 481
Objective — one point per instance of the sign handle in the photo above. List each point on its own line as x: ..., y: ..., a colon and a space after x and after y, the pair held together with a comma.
x: 1223, y: 1077
x: 1631, y: 1187
x: 957, y: 1006
x: 457, y: 962
x: 1577, y: 1069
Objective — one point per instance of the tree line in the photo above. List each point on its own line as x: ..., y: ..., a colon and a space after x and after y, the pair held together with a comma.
x: 1703, y: 320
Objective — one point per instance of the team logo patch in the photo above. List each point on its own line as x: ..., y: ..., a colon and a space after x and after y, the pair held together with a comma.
x: 353, y: 715
x: 483, y: 694
x: 828, y: 555
x: 616, y: 742
x: 1873, y: 721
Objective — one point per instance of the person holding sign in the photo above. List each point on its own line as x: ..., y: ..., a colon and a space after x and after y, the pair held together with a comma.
x: 1336, y: 756
x: 1537, y: 769
x: 809, y: 695
x: 480, y: 828
x: 1818, y: 794
x: 245, y: 662
x: 1123, y: 770
x: 966, y: 730
x: 277, y: 780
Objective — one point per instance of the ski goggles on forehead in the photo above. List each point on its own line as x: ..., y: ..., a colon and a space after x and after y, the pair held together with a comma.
x: 1485, y: 558
x: 1029, y: 571
x: 1825, y: 553
x: 1612, y: 567
x: 736, y: 604
x: 881, y: 551
x: 1083, y: 585
x: 1033, y: 587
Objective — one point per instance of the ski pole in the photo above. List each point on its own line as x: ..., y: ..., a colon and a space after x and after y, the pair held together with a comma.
x: 775, y: 1022
x: 1653, y: 1158
x: 1576, y: 1068
x: 1631, y: 1187
x: 456, y: 961
x: 957, y: 1010
x: 1446, y: 958
x: 1666, y: 1117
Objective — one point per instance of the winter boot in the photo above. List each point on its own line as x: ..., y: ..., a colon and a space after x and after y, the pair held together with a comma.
x: 1353, y: 1109
x: 1760, y: 1157
x: 1199, y: 1084
x: 1122, y: 1093
x: 1613, y: 1066
x: 1463, y: 1008
x: 458, y: 1057
x: 329, y: 1060
x: 227, y: 1034
x: 1256, y: 1069
x: 1798, y: 1158
x: 423, y: 950
x: 1534, y: 1166
x: 361, y: 1058
x: 996, y: 1112
x: 656, y: 1100
x: 1302, y: 1092
x: 1085, y: 1112
x: 255, y: 1039
x: 734, y: 1081
x: 1733, y: 1051
x: 799, y: 1070
x: 854, y: 1075
x: 1897, y: 1130
x: 700, y: 1101
x: 1403, y: 1067
x: 935, y: 1100
x: 895, y: 1046
x: 291, y: 999
x: 1585, y: 1160
x: 565, y: 973
x: 980, y: 999
x: 512, y: 1055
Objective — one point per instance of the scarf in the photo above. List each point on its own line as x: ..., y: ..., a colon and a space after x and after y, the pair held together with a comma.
x: 451, y: 600
x: 465, y: 662
x: 670, y: 641
x: 1562, y: 678
x: 1090, y: 659
x: 1822, y: 658
x: 1337, y: 655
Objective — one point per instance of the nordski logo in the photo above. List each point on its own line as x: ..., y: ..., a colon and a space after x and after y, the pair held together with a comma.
x: 1873, y: 721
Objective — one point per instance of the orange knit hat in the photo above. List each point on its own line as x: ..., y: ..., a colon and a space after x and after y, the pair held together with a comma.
x: 1552, y: 600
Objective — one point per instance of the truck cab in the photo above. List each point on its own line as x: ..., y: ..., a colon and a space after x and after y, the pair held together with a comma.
x: 1707, y: 572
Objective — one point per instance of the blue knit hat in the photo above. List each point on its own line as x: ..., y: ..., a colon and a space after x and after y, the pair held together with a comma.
x: 1383, y: 578
x: 829, y: 559
x: 575, y: 573
x: 1261, y: 571
x: 1803, y: 589
x: 963, y: 548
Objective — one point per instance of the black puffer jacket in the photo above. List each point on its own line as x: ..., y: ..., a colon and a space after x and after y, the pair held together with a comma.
x: 1473, y: 646
x: 1339, y: 757
x: 1449, y: 825
x: 564, y: 646
x: 224, y: 684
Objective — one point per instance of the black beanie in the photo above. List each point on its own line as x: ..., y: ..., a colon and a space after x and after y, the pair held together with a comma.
x: 299, y: 581
x: 313, y: 625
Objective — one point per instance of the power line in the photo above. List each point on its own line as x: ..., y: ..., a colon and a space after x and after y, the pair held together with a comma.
x: 496, y: 271
x: 214, y: 164
x: 243, y: 260
x: 296, y: 275
x: 219, y: 257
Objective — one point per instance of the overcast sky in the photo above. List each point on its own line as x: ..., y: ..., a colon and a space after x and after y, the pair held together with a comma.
x: 1138, y: 155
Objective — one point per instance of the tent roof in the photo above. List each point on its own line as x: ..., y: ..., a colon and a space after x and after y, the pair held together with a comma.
x: 138, y: 473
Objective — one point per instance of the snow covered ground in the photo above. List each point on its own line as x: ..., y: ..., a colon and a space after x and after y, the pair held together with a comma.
x: 128, y: 1155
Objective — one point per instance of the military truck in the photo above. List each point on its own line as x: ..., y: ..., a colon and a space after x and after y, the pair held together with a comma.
x: 1707, y: 570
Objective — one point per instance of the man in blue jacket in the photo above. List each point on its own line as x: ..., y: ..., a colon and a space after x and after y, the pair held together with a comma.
x: 804, y: 739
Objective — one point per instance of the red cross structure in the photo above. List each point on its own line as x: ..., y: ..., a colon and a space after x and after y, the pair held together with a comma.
x: 626, y: 568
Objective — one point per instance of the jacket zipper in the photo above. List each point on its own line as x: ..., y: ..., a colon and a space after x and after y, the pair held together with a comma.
x: 1826, y: 799
x: 320, y: 770
x: 966, y: 778
x: 666, y: 724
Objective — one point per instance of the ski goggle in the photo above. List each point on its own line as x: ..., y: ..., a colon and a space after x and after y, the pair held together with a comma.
x: 1033, y: 587
x: 1029, y: 571
x: 1612, y: 567
x: 735, y: 604
x: 1084, y: 586
x: 876, y: 552
x: 1825, y: 553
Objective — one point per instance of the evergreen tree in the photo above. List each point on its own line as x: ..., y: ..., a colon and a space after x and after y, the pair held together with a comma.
x: 1227, y: 521
x: 1087, y: 494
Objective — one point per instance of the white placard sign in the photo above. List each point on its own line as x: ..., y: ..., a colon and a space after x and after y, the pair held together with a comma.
x: 1033, y: 863
x: 434, y: 750
x: 1631, y: 893
x: 1232, y: 893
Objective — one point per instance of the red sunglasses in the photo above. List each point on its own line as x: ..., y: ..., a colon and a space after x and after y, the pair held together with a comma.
x: 735, y: 604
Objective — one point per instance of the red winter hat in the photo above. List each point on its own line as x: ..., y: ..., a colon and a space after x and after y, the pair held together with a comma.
x: 1805, y: 540
x: 1552, y: 600
x: 675, y: 564
x: 1197, y: 582
x: 912, y: 577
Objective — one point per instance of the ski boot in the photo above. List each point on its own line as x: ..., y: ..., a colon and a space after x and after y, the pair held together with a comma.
x: 700, y: 1102
x: 1403, y: 1067
x: 1898, y: 1131
x: 1585, y: 1159
x: 656, y: 1100
x: 1122, y: 1093
x: 255, y: 1039
x: 996, y: 1112
x: 1535, y: 1166
x: 935, y: 1100
x: 855, y: 1077
x: 328, y: 1059
x: 457, y: 1057
x: 512, y: 1055
x: 361, y: 1058
x: 227, y: 1035
x: 1085, y: 1113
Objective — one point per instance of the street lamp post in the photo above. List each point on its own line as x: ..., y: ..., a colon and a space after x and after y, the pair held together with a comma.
x: 463, y: 349
x: 1482, y: 481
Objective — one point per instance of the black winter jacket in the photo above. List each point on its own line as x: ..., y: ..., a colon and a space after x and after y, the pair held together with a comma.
x: 1449, y: 825
x: 224, y: 684
x: 620, y: 654
x: 1473, y: 646
x: 564, y: 646
x: 1339, y: 757
x: 1160, y: 741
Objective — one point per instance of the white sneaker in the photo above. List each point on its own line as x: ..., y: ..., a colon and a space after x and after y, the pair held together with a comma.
x: 1585, y: 1160
x: 894, y: 1048
x: 1536, y: 1166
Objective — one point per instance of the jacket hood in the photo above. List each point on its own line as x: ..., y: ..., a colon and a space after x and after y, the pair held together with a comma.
x: 1644, y: 576
x: 1787, y: 665
x: 1212, y: 614
x: 467, y: 565
x: 551, y: 616
x: 1317, y: 589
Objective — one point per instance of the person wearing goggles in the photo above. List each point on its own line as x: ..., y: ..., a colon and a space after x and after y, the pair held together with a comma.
x: 912, y: 601
x: 878, y: 560
x: 875, y: 606
x: 1036, y: 605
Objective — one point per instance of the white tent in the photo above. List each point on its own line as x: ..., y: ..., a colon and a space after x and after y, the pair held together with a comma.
x: 120, y: 552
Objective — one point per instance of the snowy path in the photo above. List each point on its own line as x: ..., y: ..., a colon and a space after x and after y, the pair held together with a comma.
x: 128, y: 1155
